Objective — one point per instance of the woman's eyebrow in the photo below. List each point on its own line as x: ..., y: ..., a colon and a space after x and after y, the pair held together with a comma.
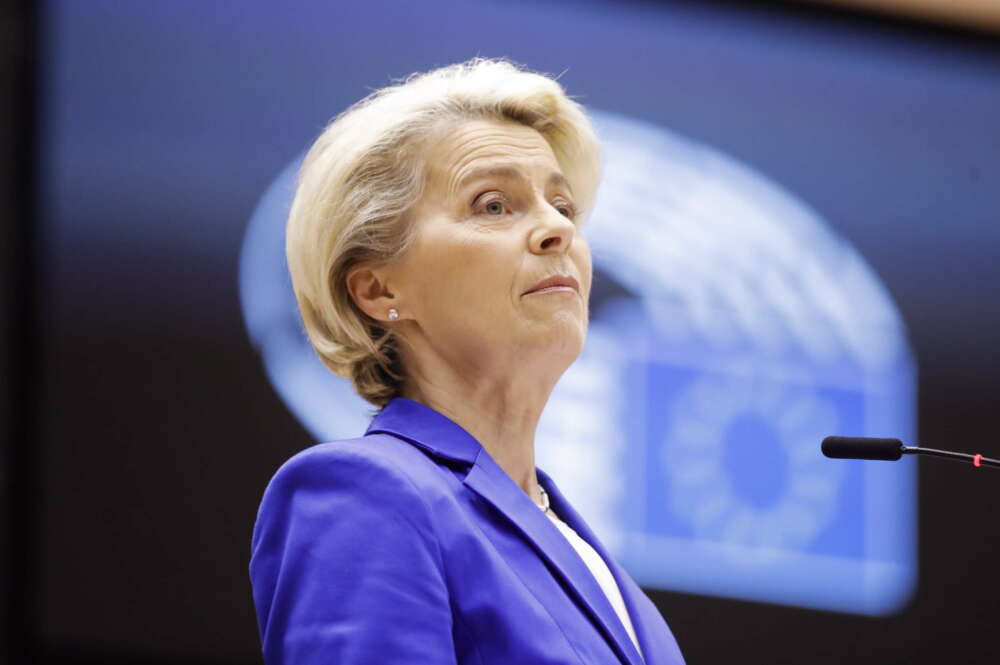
x: 560, y: 180
x: 511, y: 172
x: 483, y: 172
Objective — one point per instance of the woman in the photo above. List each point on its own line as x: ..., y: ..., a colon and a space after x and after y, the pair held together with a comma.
x: 435, y: 250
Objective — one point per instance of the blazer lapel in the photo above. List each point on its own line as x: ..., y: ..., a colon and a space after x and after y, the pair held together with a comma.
x: 492, y: 483
x: 655, y: 649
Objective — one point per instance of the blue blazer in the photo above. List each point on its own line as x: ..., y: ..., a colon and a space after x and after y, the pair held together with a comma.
x: 411, y: 545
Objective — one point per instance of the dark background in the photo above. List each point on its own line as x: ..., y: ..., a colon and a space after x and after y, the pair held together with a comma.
x: 139, y: 426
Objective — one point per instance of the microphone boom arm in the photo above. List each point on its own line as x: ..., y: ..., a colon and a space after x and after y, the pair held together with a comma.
x: 976, y: 460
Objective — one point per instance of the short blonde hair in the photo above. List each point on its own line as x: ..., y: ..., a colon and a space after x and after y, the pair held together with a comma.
x: 363, y: 173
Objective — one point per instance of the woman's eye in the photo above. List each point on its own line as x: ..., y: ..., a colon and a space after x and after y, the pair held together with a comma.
x: 495, y: 206
x: 567, y: 210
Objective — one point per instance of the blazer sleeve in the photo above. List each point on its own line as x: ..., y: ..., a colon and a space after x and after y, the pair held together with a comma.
x: 345, y: 565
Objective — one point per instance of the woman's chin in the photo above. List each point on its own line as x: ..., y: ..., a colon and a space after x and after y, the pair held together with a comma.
x: 562, y: 337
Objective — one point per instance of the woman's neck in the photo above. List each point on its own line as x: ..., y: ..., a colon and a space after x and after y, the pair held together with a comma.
x: 501, y: 413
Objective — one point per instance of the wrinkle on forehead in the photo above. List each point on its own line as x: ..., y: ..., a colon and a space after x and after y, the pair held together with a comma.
x: 476, y: 141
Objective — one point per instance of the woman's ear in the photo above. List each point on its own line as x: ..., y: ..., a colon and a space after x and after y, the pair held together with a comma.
x: 370, y: 293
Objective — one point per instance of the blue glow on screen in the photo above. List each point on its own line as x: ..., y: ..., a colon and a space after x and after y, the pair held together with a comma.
x: 731, y: 331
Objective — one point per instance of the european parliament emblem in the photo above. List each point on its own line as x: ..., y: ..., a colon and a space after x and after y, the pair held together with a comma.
x: 730, y: 331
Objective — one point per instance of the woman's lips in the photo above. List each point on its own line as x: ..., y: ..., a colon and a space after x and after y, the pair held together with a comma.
x: 555, y: 284
x: 552, y: 289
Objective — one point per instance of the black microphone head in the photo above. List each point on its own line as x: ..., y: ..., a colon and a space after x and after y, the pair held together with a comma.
x: 861, y: 447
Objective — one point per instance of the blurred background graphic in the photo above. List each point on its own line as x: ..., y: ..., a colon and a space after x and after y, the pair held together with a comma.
x: 797, y: 236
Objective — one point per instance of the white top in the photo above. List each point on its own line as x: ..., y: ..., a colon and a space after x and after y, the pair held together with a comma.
x: 601, y: 573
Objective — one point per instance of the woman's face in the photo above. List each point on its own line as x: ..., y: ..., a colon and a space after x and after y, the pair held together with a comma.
x: 495, y: 220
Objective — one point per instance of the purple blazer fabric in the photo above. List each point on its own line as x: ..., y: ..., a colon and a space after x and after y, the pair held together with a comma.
x: 411, y: 545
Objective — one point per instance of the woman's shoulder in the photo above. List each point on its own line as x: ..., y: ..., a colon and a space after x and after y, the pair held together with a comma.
x: 380, y: 463
x: 334, y: 502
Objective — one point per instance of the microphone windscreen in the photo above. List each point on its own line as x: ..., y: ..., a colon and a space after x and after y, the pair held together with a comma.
x: 860, y: 447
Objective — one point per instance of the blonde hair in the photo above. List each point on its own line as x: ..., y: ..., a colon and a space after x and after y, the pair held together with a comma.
x: 364, y: 171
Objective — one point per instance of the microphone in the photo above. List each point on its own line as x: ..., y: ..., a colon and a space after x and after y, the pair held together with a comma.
x: 858, y: 447
x: 862, y: 447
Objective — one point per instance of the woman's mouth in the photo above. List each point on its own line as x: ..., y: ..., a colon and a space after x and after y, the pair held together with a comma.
x: 555, y: 284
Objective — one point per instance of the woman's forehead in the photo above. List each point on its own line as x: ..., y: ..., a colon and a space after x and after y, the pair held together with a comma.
x: 485, y: 148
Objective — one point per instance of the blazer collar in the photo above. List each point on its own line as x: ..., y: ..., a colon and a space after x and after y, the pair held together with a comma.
x: 438, y: 434
x: 426, y: 428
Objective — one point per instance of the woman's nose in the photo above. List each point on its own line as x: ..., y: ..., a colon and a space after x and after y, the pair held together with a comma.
x: 553, y: 234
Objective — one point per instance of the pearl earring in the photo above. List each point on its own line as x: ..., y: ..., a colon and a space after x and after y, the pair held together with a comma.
x: 393, y: 314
